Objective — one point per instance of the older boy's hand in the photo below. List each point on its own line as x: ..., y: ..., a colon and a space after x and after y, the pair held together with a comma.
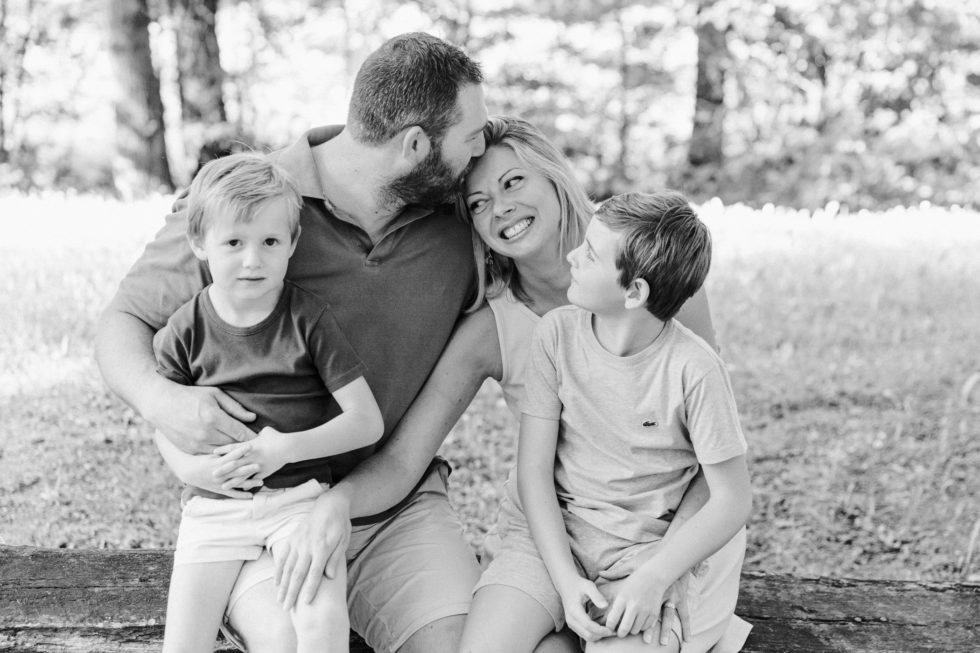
x: 574, y: 595
x: 674, y: 608
x: 636, y: 606
x: 313, y: 550
x: 197, y: 418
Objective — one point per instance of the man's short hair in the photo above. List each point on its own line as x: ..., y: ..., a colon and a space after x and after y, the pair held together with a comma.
x: 663, y: 242
x: 239, y: 183
x: 413, y: 79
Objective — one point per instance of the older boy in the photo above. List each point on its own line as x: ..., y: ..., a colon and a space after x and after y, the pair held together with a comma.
x: 277, y: 350
x: 623, y: 405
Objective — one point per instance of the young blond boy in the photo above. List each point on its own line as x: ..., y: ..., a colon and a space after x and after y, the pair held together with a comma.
x: 622, y: 407
x: 277, y: 350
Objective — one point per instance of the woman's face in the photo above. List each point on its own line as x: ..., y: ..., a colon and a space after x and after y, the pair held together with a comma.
x: 513, y: 207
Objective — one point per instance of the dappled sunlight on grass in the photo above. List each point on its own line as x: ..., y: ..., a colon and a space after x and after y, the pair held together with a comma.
x: 851, y: 341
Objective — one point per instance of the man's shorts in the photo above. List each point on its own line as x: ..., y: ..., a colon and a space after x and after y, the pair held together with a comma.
x: 218, y: 530
x: 602, y: 557
x: 403, y: 573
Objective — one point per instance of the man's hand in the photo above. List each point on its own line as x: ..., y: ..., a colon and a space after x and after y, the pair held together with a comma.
x: 254, y: 459
x: 198, y: 419
x: 316, y: 548
x: 575, y: 593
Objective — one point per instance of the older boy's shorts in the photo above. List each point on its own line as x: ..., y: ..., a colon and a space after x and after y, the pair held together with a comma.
x: 402, y: 574
x: 217, y: 530
x: 602, y: 557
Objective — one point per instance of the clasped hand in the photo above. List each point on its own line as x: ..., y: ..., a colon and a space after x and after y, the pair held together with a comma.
x: 249, y: 462
x: 633, y: 605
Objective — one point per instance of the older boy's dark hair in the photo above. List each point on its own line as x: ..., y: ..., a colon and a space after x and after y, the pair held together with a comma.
x: 663, y: 242
x: 413, y: 79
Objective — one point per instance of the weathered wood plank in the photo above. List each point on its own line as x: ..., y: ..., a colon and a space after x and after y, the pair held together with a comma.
x: 114, y: 602
x: 823, y: 614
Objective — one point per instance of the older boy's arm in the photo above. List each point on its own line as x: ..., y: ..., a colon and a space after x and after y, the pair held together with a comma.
x: 536, y: 485
x: 376, y: 484
x: 196, y: 419
x: 638, y: 602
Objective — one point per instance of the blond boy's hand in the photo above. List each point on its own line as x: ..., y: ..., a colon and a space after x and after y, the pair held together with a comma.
x: 257, y: 458
x: 574, y: 595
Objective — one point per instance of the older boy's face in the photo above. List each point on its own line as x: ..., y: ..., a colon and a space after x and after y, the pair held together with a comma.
x: 248, y: 260
x: 595, y: 279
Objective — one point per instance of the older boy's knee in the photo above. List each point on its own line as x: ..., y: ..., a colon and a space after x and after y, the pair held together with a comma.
x: 632, y: 644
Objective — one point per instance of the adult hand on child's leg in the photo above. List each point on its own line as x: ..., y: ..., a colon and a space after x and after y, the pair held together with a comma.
x: 313, y: 550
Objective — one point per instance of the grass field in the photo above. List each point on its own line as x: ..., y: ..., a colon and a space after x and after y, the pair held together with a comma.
x: 853, y: 342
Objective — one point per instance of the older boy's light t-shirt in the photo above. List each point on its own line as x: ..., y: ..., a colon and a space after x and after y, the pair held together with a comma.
x: 632, y: 429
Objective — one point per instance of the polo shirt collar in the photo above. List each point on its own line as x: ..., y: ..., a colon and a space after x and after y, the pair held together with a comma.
x: 297, y: 160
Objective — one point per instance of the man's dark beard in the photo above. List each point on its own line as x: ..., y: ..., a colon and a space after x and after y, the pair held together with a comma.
x: 432, y: 182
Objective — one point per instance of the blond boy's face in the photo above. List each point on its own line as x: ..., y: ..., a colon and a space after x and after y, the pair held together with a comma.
x: 595, y: 279
x: 248, y: 260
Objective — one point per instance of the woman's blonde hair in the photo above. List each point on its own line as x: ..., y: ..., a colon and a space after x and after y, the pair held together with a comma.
x: 494, y: 271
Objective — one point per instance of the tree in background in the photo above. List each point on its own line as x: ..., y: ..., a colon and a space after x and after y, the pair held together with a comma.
x: 205, y: 131
x: 707, y: 133
x: 141, y: 152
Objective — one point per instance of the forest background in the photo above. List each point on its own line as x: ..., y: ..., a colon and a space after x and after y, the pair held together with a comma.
x: 833, y: 148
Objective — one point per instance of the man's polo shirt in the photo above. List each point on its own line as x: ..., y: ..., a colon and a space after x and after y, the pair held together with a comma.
x: 396, y: 301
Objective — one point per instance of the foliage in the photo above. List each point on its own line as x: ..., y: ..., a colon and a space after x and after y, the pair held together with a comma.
x: 865, y: 102
x: 845, y: 337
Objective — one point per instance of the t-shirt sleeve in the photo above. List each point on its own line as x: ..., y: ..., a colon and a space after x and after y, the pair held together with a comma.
x: 541, y: 374
x: 172, y: 356
x: 164, y: 277
x: 712, y: 415
x: 333, y: 355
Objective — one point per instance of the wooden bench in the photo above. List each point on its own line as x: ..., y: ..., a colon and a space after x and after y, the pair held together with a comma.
x: 114, y: 601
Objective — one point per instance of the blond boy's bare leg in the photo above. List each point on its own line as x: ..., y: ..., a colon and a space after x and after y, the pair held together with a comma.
x: 324, y: 624
x: 195, y: 604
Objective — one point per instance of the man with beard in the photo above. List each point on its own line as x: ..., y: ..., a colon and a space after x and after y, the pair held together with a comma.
x: 381, y: 246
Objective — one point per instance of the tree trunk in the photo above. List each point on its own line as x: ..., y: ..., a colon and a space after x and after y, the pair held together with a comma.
x: 199, y: 72
x: 707, y: 135
x: 200, y: 79
x: 141, y: 157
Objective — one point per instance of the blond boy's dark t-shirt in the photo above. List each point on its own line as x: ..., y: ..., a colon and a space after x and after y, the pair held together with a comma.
x: 397, y: 302
x: 284, y: 369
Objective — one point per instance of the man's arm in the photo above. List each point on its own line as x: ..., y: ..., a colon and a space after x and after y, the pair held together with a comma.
x: 376, y: 484
x: 196, y: 419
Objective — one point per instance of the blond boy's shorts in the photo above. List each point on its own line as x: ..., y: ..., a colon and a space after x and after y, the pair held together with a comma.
x: 402, y: 574
x: 218, y: 530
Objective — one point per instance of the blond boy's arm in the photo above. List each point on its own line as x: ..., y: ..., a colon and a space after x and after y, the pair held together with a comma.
x: 359, y: 425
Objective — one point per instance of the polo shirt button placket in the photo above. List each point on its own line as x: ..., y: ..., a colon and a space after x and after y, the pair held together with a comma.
x: 371, y: 263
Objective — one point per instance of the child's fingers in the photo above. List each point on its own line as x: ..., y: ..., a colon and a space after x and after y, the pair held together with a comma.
x: 598, y: 600
x: 233, y: 450
x: 615, y: 614
x: 626, y: 623
x: 667, y: 616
